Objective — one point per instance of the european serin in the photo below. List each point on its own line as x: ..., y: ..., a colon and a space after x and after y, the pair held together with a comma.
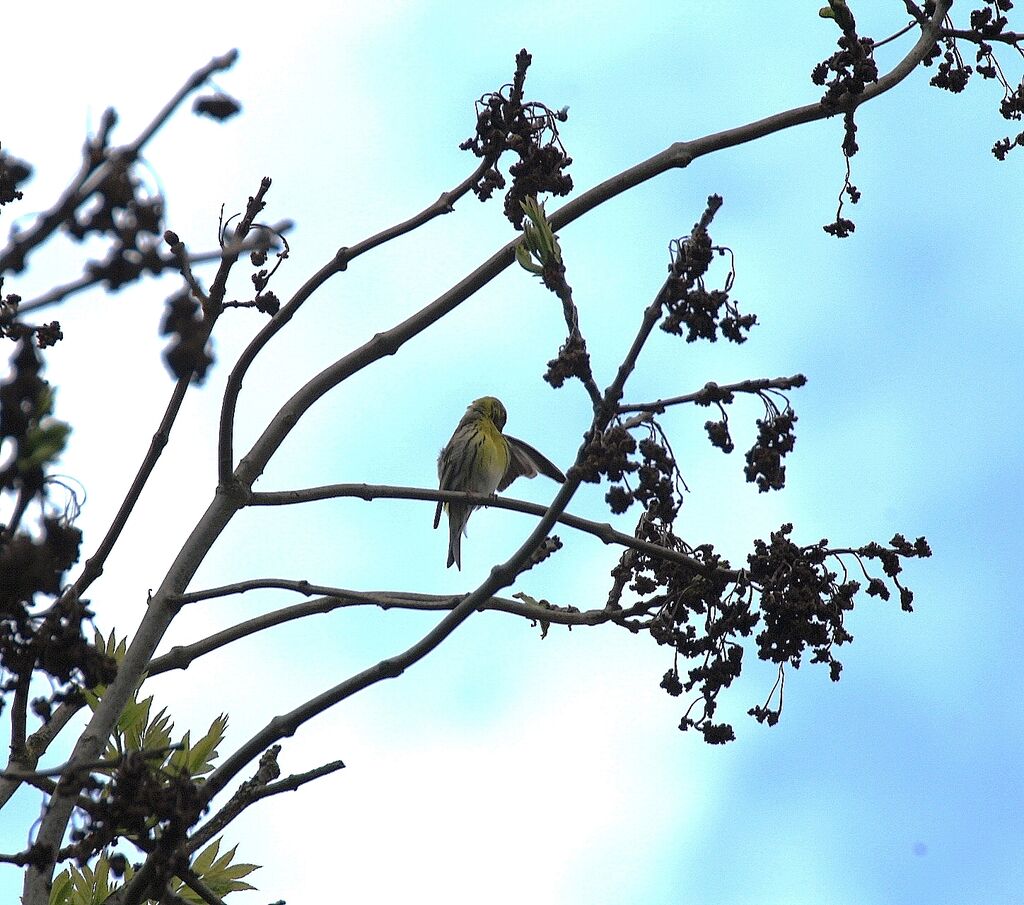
x: 481, y: 459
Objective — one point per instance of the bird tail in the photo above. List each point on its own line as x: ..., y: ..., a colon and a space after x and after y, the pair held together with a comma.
x: 457, y: 518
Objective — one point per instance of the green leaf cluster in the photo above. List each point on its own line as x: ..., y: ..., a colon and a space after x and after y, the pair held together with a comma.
x: 139, y: 729
x: 539, y: 246
x: 92, y: 886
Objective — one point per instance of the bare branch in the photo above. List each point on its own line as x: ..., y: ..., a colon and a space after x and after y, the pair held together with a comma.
x: 443, y: 205
x: 98, y: 166
x: 182, y: 656
x: 19, y: 719
x: 21, y: 858
x: 181, y: 259
x: 107, y: 764
x: 1012, y: 38
x: 35, y: 747
x: 59, y: 294
x: 677, y: 155
x: 297, y: 780
x: 898, y: 34
x: 712, y: 391
x: 601, y: 530
x: 94, y: 564
x: 500, y: 576
x: 256, y: 789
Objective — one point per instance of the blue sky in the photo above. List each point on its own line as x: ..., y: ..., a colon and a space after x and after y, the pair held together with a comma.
x: 506, y: 768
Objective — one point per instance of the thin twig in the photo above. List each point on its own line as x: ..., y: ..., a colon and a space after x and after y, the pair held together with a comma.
x: 714, y: 391
x: 1006, y: 37
x: 106, y: 764
x: 166, y: 261
x: 249, y: 794
x: 181, y: 259
x: 214, y: 301
x: 898, y: 34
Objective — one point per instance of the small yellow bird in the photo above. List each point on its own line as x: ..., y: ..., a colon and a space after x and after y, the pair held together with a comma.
x: 481, y: 459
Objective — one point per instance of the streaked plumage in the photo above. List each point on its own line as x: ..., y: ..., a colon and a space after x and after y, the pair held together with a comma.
x: 481, y: 459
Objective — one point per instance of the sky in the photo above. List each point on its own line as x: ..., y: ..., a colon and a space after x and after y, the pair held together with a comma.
x: 506, y: 767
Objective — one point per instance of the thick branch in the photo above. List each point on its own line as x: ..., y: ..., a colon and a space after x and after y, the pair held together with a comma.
x: 19, y: 721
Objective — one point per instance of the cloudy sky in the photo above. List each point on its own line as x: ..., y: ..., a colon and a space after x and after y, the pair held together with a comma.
x: 506, y: 768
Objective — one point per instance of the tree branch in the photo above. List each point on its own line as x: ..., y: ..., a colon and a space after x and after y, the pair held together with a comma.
x: 601, y: 530
x: 166, y: 262
x: 94, y: 564
x: 677, y: 155
x: 443, y: 205
x: 255, y: 790
x: 182, y: 656
x: 500, y: 576
x: 712, y: 391
x: 19, y: 719
x: 1012, y: 38
x: 97, y: 169
x: 35, y: 747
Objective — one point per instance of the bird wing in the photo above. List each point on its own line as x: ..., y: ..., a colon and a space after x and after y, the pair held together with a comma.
x: 445, y: 470
x: 525, y: 462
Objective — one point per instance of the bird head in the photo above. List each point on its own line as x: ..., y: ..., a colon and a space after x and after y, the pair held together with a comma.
x: 490, y: 408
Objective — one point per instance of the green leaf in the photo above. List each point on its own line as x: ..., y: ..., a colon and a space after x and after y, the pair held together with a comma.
x: 133, y: 721
x: 538, y: 237
x: 219, y: 874
x: 206, y: 858
x: 158, y: 733
x: 178, y: 761
x: 204, y: 752
x: 525, y: 261
x: 82, y: 886
x: 60, y: 892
